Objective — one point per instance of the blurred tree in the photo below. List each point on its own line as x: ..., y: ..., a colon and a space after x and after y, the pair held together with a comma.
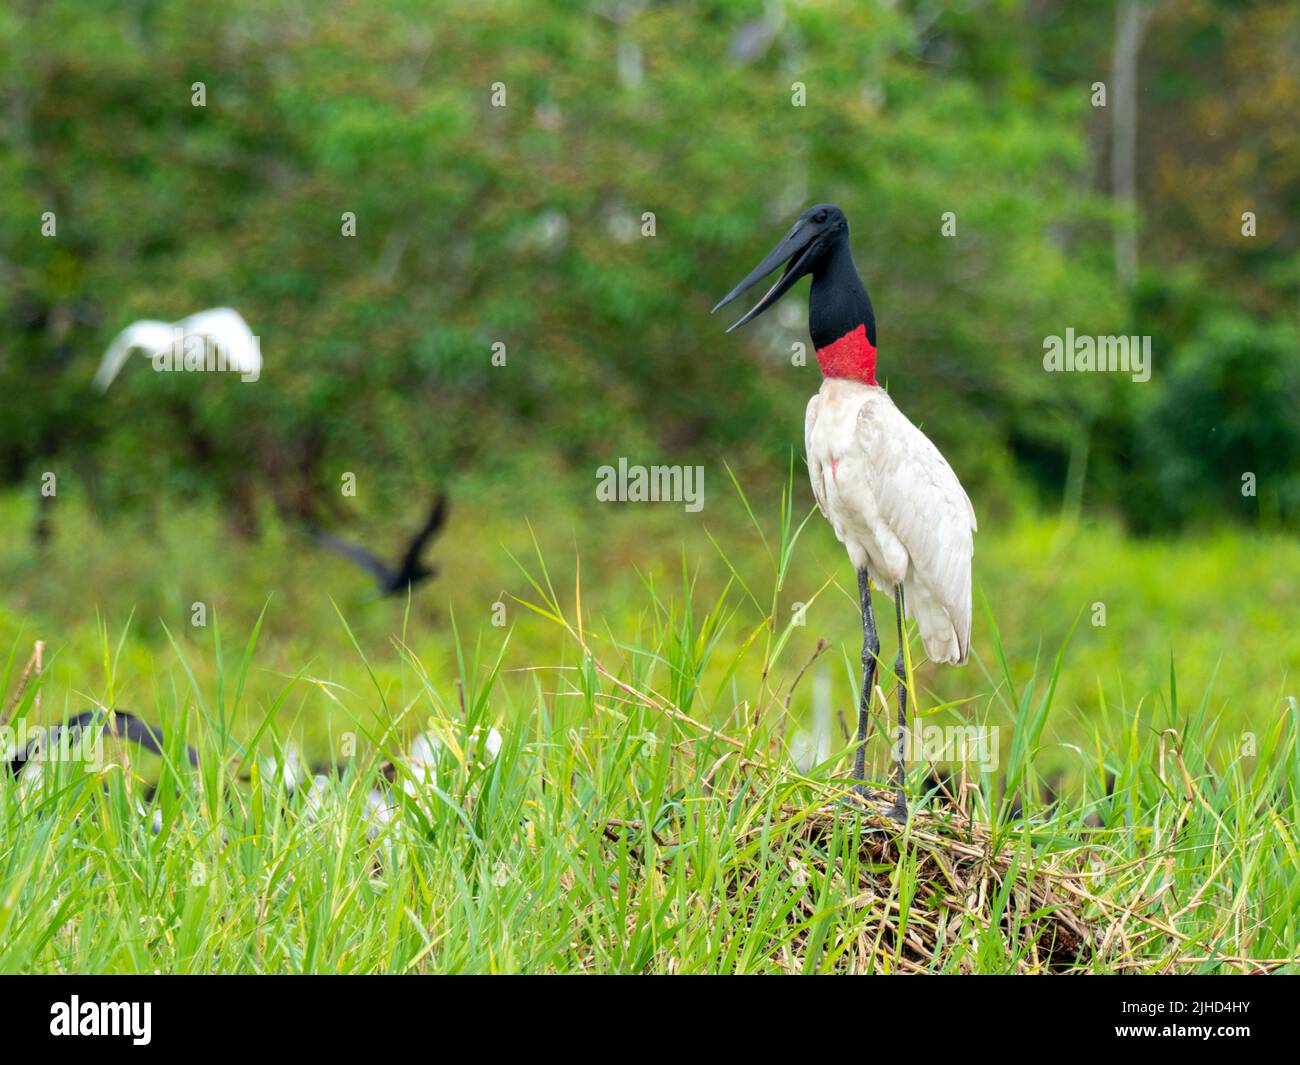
x: 641, y: 158
x: 1225, y: 426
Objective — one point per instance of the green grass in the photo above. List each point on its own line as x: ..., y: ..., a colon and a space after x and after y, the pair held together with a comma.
x: 643, y: 814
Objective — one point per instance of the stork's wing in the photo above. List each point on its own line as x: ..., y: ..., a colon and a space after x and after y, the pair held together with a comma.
x: 148, y: 335
x: 815, y: 473
x: 356, y: 553
x: 923, y: 505
x: 231, y: 334
x: 437, y: 516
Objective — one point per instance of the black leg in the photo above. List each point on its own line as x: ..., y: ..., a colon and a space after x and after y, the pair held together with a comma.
x: 900, y: 674
x: 870, y: 652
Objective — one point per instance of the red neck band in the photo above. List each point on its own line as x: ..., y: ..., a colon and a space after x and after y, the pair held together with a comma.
x: 852, y: 356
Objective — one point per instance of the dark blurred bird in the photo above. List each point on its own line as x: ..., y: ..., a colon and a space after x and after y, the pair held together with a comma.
x: 410, y: 571
x: 117, y: 723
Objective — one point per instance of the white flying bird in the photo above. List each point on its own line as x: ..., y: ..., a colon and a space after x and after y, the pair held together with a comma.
x: 893, y: 500
x: 221, y: 326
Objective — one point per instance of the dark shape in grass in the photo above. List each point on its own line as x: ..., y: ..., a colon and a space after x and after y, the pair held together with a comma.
x: 119, y: 723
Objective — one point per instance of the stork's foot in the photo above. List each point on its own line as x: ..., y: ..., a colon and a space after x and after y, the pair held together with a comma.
x: 862, y: 799
x: 898, y: 811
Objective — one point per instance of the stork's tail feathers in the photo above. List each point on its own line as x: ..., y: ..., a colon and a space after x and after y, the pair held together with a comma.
x: 947, y: 651
x: 946, y: 639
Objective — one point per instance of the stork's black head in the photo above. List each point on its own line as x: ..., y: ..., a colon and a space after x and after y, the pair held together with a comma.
x: 809, y: 246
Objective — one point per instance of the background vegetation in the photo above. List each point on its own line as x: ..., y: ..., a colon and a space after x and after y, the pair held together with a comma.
x: 523, y: 225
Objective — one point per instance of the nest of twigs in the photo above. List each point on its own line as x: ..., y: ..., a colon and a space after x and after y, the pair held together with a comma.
x: 937, y: 895
x: 960, y: 890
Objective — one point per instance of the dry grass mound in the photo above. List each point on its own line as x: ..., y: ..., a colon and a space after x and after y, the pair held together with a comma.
x: 939, y: 892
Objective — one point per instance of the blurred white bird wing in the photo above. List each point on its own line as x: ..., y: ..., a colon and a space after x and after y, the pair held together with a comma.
x: 224, y: 326
x: 923, y: 505
x: 229, y: 331
x: 815, y: 473
x: 148, y: 335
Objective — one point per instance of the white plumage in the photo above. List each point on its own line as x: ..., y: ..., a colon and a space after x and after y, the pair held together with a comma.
x: 224, y: 327
x: 897, y: 507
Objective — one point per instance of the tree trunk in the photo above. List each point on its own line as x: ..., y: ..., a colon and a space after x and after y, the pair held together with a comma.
x: 1131, y: 20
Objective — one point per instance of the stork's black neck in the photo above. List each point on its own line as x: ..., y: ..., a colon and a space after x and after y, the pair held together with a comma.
x: 838, y: 302
x: 840, y: 318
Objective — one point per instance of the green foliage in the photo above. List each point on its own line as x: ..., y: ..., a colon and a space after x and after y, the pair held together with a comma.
x: 522, y: 225
x: 519, y: 224
x: 643, y: 814
x: 1228, y: 411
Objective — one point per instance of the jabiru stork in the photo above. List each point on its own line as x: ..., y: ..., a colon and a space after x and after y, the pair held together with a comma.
x: 892, y: 498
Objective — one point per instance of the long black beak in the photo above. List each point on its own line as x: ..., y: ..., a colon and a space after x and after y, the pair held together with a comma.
x: 794, y: 247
